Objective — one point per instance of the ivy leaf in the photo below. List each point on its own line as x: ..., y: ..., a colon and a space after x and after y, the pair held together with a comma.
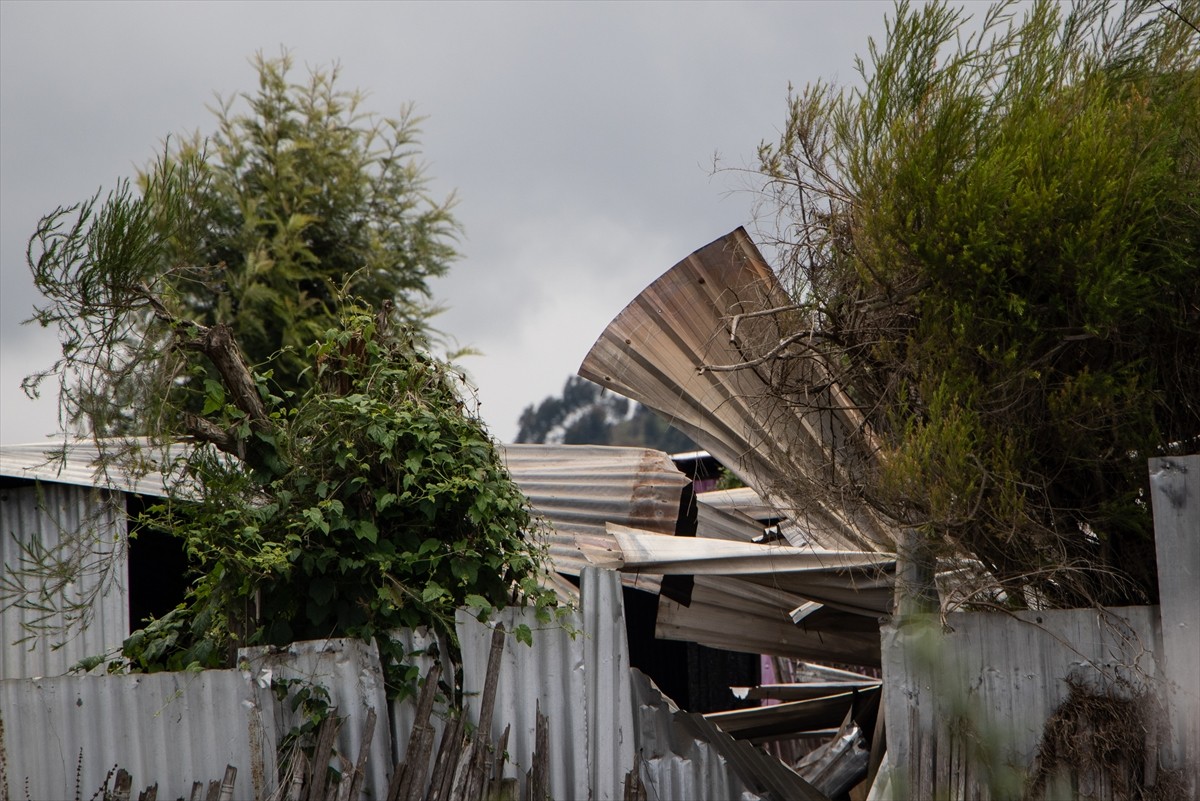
x: 366, y: 530
x: 523, y: 634
x: 433, y: 592
x: 214, y: 396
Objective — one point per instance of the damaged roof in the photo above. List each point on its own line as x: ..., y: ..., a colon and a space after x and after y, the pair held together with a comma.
x: 674, y: 349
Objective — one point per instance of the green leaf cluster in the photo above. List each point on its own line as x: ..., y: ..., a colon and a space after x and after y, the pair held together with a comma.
x: 307, y: 197
x: 998, y: 234
x: 383, y: 505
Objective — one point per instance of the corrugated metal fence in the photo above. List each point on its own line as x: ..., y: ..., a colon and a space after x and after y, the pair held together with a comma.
x: 60, y: 736
x: 78, y: 526
x: 968, y: 705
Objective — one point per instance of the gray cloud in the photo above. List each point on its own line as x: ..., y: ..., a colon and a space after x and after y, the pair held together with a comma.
x: 578, y: 136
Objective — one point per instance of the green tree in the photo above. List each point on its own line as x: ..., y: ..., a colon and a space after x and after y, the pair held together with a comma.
x: 301, y: 198
x: 335, y: 481
x: 994, y: 245
x: 586, y: 415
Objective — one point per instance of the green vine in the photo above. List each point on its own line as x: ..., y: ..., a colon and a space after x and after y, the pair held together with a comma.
x: 378, y: 502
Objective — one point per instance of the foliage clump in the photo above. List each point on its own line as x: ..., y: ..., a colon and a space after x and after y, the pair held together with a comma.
x: 379, y: 503
x: 993, y: 245
x: 298, y: 199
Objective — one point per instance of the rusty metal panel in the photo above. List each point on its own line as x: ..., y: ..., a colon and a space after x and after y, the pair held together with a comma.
x: 1175, y: 493
x: 735, y: 615
x: 966, y: 703
x: 713, y: 308
x: 83, y: 526
x: 170, y: 728
x: 581, y: 683
x: 579, y: 488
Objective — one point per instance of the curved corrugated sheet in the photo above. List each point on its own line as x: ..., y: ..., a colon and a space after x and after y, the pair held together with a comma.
x: 86, y: 523
x: 710, y: 310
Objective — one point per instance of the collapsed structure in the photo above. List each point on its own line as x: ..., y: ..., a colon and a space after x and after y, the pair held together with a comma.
x: 774, y: 569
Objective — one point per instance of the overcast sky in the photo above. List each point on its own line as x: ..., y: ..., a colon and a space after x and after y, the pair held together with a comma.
x: 579, y: 138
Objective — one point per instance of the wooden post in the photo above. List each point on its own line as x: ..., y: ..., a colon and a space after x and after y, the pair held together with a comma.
x: 1175, y: 496
x: 916, y: 592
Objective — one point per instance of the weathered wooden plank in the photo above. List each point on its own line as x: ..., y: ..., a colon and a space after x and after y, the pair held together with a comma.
x: 364, y: 751
x: 123, y: 786
x: 326, y: 735
x: 447, y: 759
x: 411, y: 786
x: 227, y: 782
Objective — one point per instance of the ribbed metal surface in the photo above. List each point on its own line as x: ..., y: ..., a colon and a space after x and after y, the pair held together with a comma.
x: 995, y: 679
x: 684, y: 756
x: 855, y: 582
x: 741, y: 499
x: 350, y: 671
x: 652, y: 352
x: 724, y: 523
x: 580, y: 683
x: 77, y: 462
x: 579, y: 488
x: 170, y: 728
x: 82, y: 525
x: 736, y: 615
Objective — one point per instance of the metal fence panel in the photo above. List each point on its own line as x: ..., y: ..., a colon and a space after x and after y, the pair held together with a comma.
x: 169, y: 728
x: 966, y: 706
x: 1175, y: 492
x: 86, y: 526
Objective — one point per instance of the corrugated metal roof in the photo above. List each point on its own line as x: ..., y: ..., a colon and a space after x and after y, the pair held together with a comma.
x: 170, y: 728
x: 84, y: 528
x: 579, y: 488
x: 736, y: 615
x: 853, y: 581
x: 710, y: 309
x: 77, y: 462
x: 999, y: 676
